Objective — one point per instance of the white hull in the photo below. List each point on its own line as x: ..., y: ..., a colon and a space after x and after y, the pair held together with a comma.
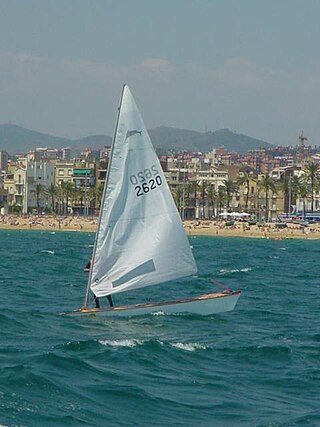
x: 204, y: 305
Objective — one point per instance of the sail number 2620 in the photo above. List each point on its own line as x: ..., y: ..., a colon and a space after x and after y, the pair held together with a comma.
x: 146, y: 180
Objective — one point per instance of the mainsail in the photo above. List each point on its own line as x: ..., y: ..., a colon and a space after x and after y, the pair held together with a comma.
x: 140, y: 239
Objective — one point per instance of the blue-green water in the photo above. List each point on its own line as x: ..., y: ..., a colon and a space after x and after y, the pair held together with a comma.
x: 256, y: 366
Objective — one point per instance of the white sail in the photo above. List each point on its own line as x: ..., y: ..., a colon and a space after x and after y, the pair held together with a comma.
x: 140, y: 240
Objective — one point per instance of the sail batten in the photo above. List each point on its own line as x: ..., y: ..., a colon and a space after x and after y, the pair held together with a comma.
x: 140, y: 239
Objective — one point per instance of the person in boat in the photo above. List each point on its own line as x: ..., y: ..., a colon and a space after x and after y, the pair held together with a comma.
x: 88, y: 266
x: 96, y: 299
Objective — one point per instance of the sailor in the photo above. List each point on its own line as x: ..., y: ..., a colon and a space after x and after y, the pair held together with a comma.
x: 96, y: 299
x: 87, y: 267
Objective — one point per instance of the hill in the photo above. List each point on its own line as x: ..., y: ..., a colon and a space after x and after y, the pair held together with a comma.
x: 166, y: 138
x: 16, y: 139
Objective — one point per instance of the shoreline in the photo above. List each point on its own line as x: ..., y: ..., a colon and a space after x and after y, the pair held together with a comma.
x: 192, y: 228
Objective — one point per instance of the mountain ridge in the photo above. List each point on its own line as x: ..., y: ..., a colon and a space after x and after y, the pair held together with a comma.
x: 17, y: 139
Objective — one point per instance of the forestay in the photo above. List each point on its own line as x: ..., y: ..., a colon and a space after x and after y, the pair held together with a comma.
x: 140, y: 240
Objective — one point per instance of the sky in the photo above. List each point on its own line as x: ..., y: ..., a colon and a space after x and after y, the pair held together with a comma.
x: 251, y: 66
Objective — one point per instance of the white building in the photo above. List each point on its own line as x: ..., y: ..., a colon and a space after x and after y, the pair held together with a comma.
x: 22, y: 182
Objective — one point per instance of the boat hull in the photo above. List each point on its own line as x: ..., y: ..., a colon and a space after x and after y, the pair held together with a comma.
x: 213, y: 303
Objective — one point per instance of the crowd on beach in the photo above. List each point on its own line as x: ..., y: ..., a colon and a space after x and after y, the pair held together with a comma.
x: 48, y: 222
x: 244, y: 229
x: 197, y: 227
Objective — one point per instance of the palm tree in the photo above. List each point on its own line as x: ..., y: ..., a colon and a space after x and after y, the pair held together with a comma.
x: 312, y: 175
x: 177, y: 197
x: 66, y: 188
x: 221, y: 197
x: 92, y: 193
x: 285, y: 186
x: 75, y: 195
x: 245, y: 180
x: 212, y: 195
x: 301, y: 189
x: 38, y: 191
x: 192, y: 189
x: 99, y: 193
x: 51, y: 192
x: 267, y: 184
x: 230, y: 188
x: 203, y: 192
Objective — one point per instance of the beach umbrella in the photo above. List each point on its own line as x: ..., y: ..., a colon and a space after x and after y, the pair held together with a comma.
x: 224, y: 214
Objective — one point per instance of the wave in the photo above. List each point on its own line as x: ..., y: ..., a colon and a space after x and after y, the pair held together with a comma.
x: 235, y: 270
x: 47, y: 251
x: 130, y: 343
x: 188, y: 346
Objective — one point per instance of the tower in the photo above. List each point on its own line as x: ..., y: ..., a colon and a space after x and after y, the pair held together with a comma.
x: 302, y: 139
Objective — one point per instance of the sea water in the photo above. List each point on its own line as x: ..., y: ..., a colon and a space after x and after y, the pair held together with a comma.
x: 256, y: 366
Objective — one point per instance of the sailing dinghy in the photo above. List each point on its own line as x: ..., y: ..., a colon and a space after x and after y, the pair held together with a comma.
x: 140, y: 240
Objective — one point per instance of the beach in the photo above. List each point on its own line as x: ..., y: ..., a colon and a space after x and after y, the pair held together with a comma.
x: 48, y: 222
x: 204, y: 228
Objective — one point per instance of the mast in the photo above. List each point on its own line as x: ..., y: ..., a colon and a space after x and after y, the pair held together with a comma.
x: 85, y: 301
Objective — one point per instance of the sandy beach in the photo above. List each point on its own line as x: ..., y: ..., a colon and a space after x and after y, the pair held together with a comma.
x: 48, y: 222
x: 207, y: 228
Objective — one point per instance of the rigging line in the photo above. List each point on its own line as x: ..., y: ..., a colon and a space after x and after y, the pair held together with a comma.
x: 219, y: 284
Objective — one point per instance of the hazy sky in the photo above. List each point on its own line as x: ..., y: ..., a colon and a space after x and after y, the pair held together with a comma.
x: 251, y: 66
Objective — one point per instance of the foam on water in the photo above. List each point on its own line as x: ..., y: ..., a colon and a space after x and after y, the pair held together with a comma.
x: 236, y: 270
x: 188, y: 346
x: 121, y: 343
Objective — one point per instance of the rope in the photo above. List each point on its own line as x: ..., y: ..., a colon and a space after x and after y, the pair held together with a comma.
x: 220, y: 285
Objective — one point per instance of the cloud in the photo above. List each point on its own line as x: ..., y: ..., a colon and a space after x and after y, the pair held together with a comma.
x: 239, y: 73
x: 75, y: 97
x: 156, y: 65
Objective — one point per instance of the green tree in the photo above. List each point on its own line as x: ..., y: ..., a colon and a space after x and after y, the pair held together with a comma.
x: 51, y: 192
x: 267, y: 184
x: 221, y: 197
x: 66, y: 193
x: 212, y: 197
x: 301, y: 189
x: 244, y: 180
x: 177, y: 197
x: 285, y: 185
x: 312, y: 176
x: 230, y: 188
x: 203, y: 187
x: 99, y: 194
x: 38, y: 191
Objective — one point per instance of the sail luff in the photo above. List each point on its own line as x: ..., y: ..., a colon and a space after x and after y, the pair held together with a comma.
x: 85, y: 302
